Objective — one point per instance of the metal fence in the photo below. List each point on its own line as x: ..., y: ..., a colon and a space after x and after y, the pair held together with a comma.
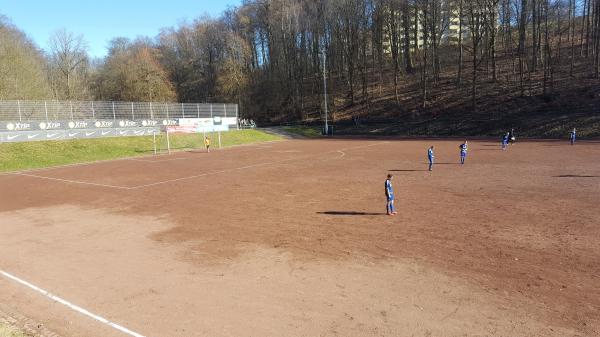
x: 33, y: 111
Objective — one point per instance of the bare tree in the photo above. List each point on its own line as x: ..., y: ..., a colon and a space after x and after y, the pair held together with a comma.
x: 69, y: 65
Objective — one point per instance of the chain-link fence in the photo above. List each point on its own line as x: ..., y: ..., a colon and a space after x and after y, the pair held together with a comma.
x: 33, y: 111
x: 56, y: 120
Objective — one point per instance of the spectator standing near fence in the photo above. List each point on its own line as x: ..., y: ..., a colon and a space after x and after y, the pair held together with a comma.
x: 207, y: 143
x: 431, y: 157
x: 389, y: 195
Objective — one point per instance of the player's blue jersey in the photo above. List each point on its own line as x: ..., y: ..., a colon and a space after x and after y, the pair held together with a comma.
x: 430, y: 154
x: 389, y: 189
x: 463, y: 148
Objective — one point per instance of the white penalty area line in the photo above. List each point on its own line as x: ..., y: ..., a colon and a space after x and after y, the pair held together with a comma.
x: 340, y: 151
x: 252, y: 166
x: 70, y: 305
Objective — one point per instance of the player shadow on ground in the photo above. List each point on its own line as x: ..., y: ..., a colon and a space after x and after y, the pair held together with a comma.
x: 349, y: 213
x: 442, y: 164
x: 574, y: 176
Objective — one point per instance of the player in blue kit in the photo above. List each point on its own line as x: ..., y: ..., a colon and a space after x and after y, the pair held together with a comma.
x: 572, y: 136
x: 505, y: 141
x: 464, y: 147
x: 431, y: 157
x: 389, y: 194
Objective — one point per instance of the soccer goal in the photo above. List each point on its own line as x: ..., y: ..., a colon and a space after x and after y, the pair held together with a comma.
x: 187, y: 135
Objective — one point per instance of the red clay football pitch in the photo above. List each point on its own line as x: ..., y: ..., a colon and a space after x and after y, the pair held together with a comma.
x: 291, y: 238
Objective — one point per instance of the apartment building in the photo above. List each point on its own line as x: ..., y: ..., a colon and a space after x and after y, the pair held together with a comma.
x: 447, y: 18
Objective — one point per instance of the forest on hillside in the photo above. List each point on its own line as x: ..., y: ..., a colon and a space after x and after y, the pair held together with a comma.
x: 380, y: 59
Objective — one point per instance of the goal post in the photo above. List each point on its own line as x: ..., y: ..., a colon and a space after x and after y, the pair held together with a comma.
x: 199, y: 127
x: 161, y: 141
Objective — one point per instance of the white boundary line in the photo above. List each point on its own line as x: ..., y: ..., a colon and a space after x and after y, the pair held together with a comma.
x: 71, y: 306
x: 72, y: 181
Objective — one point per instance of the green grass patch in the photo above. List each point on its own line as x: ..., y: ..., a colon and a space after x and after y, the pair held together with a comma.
x: 306, y: 131
x: 7, y: 331
x: 30, y: 155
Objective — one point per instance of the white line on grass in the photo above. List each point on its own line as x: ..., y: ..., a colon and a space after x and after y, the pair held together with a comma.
x: 70, y: 305
x: 251, y: 166
x: 72, y: 181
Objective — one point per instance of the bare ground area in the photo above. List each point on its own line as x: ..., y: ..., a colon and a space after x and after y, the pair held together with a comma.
x: 291, y: 239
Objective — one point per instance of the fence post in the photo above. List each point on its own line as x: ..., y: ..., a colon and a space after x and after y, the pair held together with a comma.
x: 167, y: 106
x: 132, y: 114
x: 46, y: 109
x: 93, y: 112
x: 151, y: 112
x: 237, y: 118
x: 19, y: 105
x: 198, y: 109
x: 211, y: 112
x: 168, y: 141
x: 114, y: 114
x: 182, y: 111
x: 71, y: 109
x: 154, y: 141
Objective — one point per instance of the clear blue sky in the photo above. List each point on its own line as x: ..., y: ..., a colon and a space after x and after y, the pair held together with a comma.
x: 101, y: 20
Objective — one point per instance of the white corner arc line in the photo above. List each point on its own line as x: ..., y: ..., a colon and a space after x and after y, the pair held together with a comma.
x: 71, y: 306
x: 72, y: 181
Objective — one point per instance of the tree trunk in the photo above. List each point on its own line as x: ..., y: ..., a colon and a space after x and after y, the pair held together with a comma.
x: 460, y: 42
x: 425, y: 40
x: 572, y: 8
x: 406, y: 30
x: 522, y: 39
x: 534, y: 50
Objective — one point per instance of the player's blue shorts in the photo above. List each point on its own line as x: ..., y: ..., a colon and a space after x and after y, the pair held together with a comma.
x: 390, y: 197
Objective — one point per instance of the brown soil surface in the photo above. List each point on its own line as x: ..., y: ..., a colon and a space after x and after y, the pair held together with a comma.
x: 291, y: 239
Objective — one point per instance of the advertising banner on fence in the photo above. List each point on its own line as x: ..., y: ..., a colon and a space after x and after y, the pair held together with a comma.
x: 40, y: 135
x: 199, y: 125
x: 22, y: 131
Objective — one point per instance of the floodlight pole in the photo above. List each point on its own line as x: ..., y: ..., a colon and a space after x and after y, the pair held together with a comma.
x: 325, y: 91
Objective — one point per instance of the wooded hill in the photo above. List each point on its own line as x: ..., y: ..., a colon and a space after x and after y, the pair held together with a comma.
x: 420, y: 66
